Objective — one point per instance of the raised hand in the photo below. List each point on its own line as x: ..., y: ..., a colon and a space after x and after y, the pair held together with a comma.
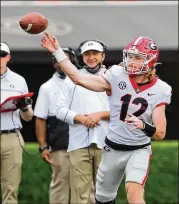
x: 49, y: 42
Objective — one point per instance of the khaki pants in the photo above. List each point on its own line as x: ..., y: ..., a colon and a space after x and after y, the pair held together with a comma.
x: 60, y: 183
x: 11, y: 162
x: 84, y: 166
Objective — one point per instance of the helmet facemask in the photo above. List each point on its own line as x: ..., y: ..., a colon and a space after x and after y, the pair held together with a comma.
x: 145, y: 67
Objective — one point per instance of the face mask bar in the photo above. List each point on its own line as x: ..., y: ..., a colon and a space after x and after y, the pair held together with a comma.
x: 144, y: 66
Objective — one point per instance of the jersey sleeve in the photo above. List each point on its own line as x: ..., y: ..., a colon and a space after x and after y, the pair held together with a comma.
x: 42, y: 104
x: 112, y: 71
x: 165, y: 98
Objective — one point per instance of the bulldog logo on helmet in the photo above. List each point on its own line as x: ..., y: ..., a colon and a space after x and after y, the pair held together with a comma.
x: 152, y: 46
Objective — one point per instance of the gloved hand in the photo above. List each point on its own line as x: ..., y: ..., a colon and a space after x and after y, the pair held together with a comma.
x: 22, y: 104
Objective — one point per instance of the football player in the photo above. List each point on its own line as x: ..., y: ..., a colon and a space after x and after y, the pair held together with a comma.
x: 137, y: 103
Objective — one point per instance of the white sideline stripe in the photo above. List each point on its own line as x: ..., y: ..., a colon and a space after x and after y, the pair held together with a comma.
x: 88, y: 3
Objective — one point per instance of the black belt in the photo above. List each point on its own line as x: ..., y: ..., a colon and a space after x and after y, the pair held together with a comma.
x: 123, y: 147
x: 8, y: 131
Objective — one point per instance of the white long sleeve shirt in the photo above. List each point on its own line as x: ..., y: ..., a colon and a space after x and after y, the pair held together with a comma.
x: 46, y: 101
x: 12, y: 84
x: 73, y: 100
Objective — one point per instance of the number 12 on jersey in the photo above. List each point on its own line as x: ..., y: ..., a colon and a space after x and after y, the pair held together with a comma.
x: 126, y: 101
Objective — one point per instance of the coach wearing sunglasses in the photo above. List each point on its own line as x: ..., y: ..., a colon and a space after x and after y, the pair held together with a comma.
x: 12, y: 84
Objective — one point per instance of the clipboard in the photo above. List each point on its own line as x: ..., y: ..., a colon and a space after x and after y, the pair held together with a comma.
x: 10, y: 103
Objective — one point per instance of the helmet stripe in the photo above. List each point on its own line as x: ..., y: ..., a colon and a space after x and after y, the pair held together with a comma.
x: 137, y: 40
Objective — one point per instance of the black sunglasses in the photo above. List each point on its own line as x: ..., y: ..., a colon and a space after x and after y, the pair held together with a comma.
x: 3, y: 53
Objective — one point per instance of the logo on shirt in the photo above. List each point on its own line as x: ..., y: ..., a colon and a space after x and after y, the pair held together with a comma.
x: 107, y: 148
x: 12, y: 85
x: 122, y: 85
x: 90, y: 44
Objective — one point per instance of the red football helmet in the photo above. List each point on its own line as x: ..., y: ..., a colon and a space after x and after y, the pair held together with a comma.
x: 143, y: 47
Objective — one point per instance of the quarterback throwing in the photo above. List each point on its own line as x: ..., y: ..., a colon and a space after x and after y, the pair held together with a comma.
x: 137, y: 103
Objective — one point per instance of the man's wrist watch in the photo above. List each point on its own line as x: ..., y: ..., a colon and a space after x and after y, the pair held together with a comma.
x: 41, y: 149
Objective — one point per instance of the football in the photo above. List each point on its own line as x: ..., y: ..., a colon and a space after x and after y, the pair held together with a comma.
x: 33, y: 23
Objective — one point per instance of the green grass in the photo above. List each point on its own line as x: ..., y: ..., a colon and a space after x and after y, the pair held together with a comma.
x: 161, y: 186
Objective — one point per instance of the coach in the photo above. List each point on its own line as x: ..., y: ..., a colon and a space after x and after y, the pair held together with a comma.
x: 12, y: 84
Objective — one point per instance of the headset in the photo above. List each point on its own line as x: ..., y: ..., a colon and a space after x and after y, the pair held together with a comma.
x: 80, y: 58
x: 72, y: 54
x: 73, y: 58
x: 69, y: 50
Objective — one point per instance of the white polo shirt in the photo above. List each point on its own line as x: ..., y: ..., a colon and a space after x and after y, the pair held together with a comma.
x: 82, y: 101
x: 12, y: 84
x: 46, y: 101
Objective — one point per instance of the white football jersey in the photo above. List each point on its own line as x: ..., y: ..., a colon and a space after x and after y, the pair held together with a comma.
x: 129, y: 98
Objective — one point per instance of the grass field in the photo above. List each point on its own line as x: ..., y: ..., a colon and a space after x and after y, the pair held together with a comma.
x: 161, y: 186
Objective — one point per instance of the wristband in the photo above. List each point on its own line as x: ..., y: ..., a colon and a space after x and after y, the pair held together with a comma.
x: 148, y: 129
x: 59, y: 55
